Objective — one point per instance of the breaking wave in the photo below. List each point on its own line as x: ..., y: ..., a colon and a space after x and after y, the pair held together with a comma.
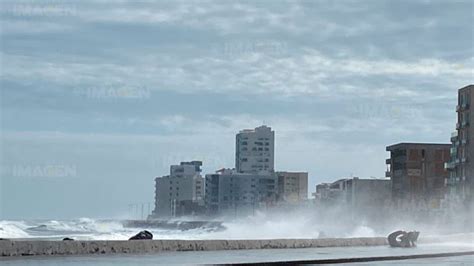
x: 259, y: 226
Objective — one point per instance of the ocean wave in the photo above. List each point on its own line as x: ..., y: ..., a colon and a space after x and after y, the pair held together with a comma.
x: 13, y: 229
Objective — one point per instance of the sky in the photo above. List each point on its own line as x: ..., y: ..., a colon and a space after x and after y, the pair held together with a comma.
x: 98, y: 98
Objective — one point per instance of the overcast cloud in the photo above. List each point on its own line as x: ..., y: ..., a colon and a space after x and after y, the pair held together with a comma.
x: 99, y: 97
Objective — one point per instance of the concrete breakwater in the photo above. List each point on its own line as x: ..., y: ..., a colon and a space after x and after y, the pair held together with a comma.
x: 37, y: 247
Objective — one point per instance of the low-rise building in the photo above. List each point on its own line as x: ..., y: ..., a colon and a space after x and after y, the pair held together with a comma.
x: 230, y: 192
x: 367, y: 196
x: 292, y: 186
x: 181, y: 192
x: 361, y: 195
x: 328, y: 194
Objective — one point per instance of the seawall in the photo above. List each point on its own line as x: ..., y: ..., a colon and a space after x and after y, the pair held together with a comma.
x: 38, y: 247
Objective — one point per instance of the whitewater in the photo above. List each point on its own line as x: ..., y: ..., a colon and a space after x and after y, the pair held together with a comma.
x: 252, y: 227
x: 261, y: 225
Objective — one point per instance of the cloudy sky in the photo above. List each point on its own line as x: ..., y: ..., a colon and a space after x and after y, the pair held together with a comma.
x: 98, y: 98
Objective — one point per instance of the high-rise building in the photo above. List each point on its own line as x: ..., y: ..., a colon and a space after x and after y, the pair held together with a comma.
x: 254, y: 150
x: 292, y: 186
x: 417, y: 173
x: 461, y: 166
x: 230, y: 192
x: 181, y: 192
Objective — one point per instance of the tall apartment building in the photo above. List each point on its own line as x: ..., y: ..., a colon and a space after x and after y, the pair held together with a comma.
x: 292, y: 186
x: 230, y: 192
x: 461, y: 167
x: 254, y: 150
x: 181, y: 192
x: 417, y: 173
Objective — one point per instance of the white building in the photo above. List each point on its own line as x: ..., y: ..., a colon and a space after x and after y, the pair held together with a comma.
x: 181, y: 192
x: 292, y: 186
x: 255, y: 150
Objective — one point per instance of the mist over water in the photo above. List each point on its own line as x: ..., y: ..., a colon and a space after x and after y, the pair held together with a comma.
x: 303, y: 222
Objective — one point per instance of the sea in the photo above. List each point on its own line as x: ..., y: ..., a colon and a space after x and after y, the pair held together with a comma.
x: 110, y: 229
x: 250, y: 228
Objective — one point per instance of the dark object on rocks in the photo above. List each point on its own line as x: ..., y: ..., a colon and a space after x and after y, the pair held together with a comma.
x: 403, y: 239
x: 142, y: 235
x: 68, y: 239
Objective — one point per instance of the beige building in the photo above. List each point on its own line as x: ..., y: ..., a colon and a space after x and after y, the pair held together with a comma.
x: 292, y: 186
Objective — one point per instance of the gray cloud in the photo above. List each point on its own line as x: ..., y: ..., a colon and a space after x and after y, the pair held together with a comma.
x: 120, y: 90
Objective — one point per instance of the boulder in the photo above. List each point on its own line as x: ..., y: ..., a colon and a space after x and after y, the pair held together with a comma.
x: 142, y: 235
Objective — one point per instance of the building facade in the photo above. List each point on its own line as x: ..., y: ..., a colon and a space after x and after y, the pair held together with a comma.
x: 367, y: 196
x: 292, y: 186
x: 254, y: 150
x: 181, y: 192
x: 329, y: 194
x: 417, y: 173
x: 356, y: 196
x: 461, y: 168
x: 230, y: 192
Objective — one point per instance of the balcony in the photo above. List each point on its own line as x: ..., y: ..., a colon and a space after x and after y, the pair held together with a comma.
x: 453, y: 151
x: 451, y: 181
x: 462, y: 107
x: 449, y: 165
x: 388, y: 174
x: 388, y: 161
